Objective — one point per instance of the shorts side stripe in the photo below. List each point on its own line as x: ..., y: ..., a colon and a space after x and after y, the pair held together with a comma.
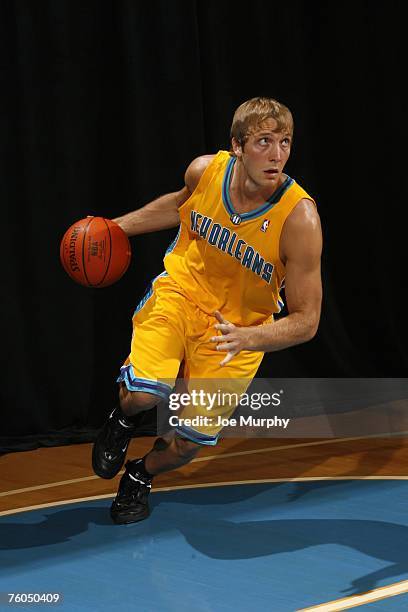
x: 196, y: 436
x: 148, y: 293
x: 134, y: 383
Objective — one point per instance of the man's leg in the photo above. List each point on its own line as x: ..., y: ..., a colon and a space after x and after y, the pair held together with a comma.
x: 178, y: 452
x: 157, y: 349
x: 131, y: 502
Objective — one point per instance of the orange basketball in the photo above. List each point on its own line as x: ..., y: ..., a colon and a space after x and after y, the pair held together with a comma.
x: 95, y: 252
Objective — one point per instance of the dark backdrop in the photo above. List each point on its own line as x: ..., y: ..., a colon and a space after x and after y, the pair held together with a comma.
x: 104, y: 103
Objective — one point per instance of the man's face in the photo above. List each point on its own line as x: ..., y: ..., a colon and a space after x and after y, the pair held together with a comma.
x: 265, y: 154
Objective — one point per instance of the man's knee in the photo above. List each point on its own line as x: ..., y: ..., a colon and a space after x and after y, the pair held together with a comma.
x: 186, y: 449
x: 133, y: 402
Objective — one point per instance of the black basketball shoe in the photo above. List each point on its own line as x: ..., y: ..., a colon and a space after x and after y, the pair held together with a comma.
x: 111, y: 444
x: 131, y: 502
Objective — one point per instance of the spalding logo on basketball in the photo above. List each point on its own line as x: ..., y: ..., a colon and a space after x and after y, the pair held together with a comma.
x: 95, y: 252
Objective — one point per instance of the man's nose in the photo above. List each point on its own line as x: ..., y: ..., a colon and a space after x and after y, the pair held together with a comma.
x: 275, y: 153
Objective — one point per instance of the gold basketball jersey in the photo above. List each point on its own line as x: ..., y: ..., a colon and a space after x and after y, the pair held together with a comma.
x: 229, y: 261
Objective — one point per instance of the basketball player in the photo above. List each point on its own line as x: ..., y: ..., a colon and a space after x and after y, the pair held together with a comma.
x: 245, y: 228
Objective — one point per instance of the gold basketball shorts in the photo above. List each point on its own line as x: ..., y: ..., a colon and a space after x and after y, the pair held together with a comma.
x: 172, y: 334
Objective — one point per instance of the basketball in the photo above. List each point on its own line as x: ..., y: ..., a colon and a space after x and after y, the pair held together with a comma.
x: 95, y: 252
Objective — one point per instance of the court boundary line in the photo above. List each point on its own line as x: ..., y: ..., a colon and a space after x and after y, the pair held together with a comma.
x: 345, y: 603
x: 203, y: 485
x: 211, y: 458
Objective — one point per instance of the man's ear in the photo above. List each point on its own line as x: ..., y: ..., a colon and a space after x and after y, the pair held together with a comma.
x: 236, y: 147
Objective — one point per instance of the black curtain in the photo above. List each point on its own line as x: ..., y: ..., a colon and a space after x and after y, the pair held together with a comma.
x: 103, y: 105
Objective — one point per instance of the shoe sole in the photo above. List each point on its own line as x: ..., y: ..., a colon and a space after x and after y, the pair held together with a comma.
x: 129, y: 518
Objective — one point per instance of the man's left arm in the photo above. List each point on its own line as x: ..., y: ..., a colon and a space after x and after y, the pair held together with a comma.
x: 300, y: 249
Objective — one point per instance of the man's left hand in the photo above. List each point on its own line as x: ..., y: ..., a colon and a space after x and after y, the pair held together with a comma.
x: 233, y: 340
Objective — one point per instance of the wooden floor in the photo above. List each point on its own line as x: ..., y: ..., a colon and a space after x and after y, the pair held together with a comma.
x: 49, y: 475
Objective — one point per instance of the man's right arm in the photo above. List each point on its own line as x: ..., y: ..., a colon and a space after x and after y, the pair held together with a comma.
x: 162, y: 213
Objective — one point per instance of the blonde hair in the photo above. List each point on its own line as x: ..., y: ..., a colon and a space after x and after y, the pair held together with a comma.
x: 250, y: 115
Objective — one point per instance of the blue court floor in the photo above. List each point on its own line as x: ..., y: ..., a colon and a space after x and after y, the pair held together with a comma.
x: 273, y: 547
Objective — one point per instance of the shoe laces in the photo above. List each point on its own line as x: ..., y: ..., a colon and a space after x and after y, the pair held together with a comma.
x: 134, y: 492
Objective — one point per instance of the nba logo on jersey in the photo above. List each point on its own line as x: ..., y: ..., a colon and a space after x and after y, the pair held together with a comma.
x: 236, y: 219
x: 265, y: 225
